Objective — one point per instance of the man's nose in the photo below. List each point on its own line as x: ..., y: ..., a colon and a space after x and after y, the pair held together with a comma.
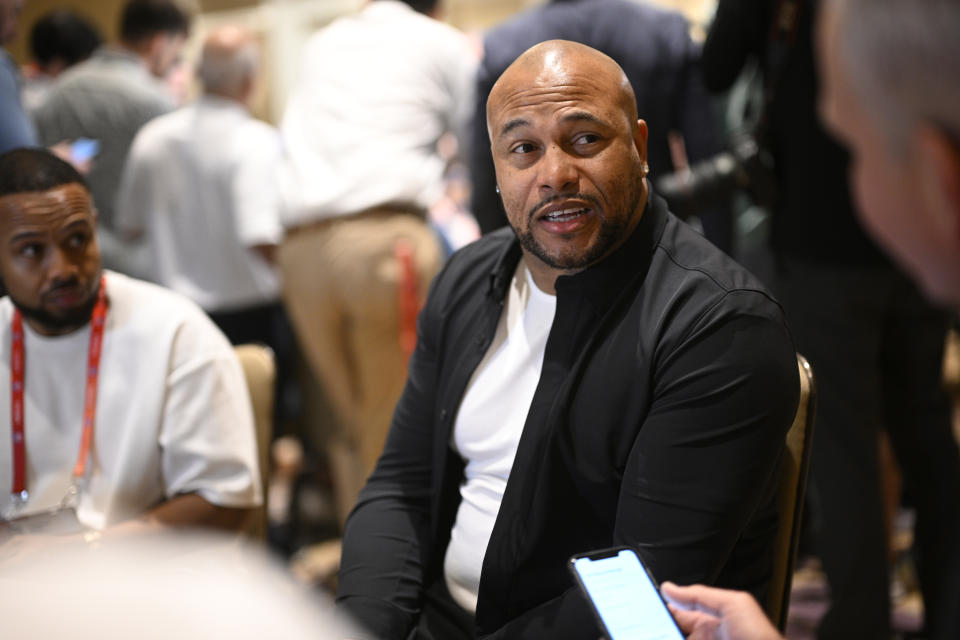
x: 559, y: 172
x: 61, y: 268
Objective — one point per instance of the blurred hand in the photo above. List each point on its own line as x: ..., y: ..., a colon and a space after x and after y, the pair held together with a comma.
x: 707, y: 613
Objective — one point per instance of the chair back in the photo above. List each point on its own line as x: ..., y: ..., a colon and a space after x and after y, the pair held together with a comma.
x: 792, y: 486
x: 260, y: 371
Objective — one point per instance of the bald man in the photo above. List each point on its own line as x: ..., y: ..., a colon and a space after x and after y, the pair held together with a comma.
x: 596, y: 375
x: 200, y: 192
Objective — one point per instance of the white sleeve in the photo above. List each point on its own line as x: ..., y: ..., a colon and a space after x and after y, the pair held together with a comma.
x: 256, y: 193
x: 207, y: 436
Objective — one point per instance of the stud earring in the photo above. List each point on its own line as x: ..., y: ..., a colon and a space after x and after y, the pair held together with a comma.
x: 497, y: 188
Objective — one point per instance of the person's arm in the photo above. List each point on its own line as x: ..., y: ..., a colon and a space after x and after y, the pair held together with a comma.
x: 702, y: 461
x: 192, y: 510
x: 387, y: 540
x: 208, y: 442
x: 706, y: 613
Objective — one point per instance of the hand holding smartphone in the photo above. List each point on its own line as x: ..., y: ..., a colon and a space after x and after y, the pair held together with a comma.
x: 624, y: 595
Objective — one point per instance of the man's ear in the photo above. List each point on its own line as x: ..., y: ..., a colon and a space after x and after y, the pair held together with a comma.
x: 640, y: 140
x: 937, y: 165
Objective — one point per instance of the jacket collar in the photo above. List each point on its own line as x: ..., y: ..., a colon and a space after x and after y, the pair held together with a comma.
x: 602, y: 282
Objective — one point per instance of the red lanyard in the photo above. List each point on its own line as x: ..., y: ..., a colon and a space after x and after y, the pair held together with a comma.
x: 17, y: 359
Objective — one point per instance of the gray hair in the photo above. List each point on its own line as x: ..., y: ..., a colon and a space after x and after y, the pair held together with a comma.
x: 903, y: 59
x: 227, y: 70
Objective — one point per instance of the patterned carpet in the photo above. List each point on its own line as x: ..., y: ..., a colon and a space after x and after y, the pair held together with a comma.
x: 810, y: 597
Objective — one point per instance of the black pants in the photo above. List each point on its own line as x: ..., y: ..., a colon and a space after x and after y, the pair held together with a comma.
x: 265, y: 324
x: 876, y: 348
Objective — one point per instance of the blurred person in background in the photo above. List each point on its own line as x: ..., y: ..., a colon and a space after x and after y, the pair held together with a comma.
x: 16, y: 129
x: 654, y: 48
x: 200, y: 191
x: 108, y: 98
x: 58, y: 40
x: 891, y: 93
x: 875, y: 343
x: 168, y: 584
x: 122, y: 404
x: 377, y: 91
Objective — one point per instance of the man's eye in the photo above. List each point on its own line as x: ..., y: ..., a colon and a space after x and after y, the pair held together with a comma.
x: 77, y: 240
x: 30, y: 250
x: 523, y: 147
x: 585, y: 138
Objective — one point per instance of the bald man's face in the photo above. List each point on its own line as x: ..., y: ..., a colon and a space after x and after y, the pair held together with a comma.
x: 569, y: 156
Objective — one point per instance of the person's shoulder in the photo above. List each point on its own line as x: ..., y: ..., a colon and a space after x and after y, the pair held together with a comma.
x: 155, y: 132
x: 147, y: 307
x: 685, y: 261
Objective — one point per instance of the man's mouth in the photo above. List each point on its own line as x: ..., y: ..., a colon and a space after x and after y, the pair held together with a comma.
x: 564, y: 215
x: 68, y: 296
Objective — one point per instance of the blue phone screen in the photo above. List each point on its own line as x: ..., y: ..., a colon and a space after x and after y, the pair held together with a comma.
x: 83, y: 149
x: 626, y: 598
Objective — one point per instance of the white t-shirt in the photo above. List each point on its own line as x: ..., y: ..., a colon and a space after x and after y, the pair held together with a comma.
x: 488, y: 427
x: 376, y: 92
x: 173, y: 412
x: 201, y: 185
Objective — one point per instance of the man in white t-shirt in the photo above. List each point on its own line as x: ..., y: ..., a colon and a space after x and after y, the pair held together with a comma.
x: 120, y: 399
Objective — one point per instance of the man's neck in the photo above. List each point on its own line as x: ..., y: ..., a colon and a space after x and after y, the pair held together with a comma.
x: 52, y: 331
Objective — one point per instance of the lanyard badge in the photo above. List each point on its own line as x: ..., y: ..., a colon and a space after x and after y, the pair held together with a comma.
x: 19, y: 493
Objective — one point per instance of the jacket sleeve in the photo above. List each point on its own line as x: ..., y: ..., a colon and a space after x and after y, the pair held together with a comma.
x: 703, y: 462
x: 701, y: 465
x: 386, y: 544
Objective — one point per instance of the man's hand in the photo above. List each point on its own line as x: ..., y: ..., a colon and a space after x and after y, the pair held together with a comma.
x: 706, y: 613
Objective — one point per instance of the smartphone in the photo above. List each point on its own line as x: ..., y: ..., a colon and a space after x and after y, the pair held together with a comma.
x: 624, y: 596
x: 83, y: 149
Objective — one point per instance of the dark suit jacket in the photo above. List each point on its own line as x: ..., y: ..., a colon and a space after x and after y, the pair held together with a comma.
x: 654, y: 48
x: 668, y: 383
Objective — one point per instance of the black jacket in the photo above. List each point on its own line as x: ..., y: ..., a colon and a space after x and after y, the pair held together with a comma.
x: 668, y: 383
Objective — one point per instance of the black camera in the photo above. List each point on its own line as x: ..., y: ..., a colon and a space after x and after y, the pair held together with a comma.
x: 746, y: 166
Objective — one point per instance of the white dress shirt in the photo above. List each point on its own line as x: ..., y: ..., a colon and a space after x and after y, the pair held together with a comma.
x: 200, y: 184
x: 376, y: 92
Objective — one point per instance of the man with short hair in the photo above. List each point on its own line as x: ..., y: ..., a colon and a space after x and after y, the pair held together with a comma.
x: 126, y: 400
x: 598, y: 375
x: 58, y: 40
x: 200, y: 189
x: 109, y: 97
x: 890, y: 71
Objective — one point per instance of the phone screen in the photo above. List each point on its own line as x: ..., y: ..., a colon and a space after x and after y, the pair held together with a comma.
x: 625, y: 596
x: 83, y: 149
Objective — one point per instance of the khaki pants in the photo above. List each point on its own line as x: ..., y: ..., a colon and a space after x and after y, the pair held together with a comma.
x: 341, y: 290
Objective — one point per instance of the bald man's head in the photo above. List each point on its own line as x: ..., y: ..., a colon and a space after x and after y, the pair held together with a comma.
x: 229, y: 61
x: 563, y: 61
x: 570, y: 156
